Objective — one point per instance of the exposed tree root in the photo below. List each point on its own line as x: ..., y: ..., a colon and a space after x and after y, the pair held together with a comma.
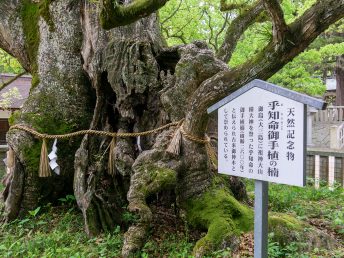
x: 224, y: 218
x: 148, y: 179
x: 152, y: 174
x: 12, y: 194
x: 288, y: 229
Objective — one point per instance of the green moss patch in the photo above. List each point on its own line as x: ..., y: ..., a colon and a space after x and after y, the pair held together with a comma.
x: 221, y: 214
x: 114, y: 15
x: 30, y: 15
x: 30, y: 18
x: 285, y: 220
x: 285, y: 228
x: 157, y: 179
x: 45, y: 13
x: 32, y: 156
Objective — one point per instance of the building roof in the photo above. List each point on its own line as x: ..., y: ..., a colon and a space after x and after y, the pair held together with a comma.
x: 305, y: 99
x: 23, y: 85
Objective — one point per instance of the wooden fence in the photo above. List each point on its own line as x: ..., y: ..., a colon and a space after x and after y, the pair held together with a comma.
x: 328, y: 169
x: 340, y: 136
x: 331, y: 114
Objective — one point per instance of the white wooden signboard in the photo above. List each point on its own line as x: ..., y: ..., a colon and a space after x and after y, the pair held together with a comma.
x: 261, y: 136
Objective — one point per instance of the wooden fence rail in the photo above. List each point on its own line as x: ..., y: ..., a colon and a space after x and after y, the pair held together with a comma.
x: 331, y: 114
x: 328, y: 169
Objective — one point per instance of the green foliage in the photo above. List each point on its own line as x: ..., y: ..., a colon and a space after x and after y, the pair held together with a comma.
x: 305, y: 72
x: 8, y: 97
x: 14, y: 116
x: 34, y: 212
x: 251, y: 43
x: 68, y: 200
x: 58, y: 232
x: 203, y: 21
x: 194, y: 20
x: 292, y: 249
x: 129, y: 217
x: 308, y: 202
x: 8, y: 64
x: 173, y: 245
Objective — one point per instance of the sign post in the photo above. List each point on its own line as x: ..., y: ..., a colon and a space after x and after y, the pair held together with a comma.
x: 261, y: 189
x: 262, y: 136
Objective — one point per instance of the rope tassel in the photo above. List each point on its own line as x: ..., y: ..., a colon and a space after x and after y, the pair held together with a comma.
x: 175, y: 145
x: 211, y: 153
x: 111, y: 162
x: 44, y: 168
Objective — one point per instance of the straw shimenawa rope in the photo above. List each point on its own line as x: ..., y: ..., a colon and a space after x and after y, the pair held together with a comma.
x: 91, y: 132
x: 111, y: 162
x: 206, y: 141
x: 174, y: 147
x: 44, y: 168
x: 175, y: 144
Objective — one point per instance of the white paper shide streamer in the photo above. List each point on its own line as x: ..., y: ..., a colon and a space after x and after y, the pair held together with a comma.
x: 53, y: 159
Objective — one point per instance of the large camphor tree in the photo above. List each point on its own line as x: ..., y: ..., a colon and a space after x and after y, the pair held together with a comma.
x: 104, y: 65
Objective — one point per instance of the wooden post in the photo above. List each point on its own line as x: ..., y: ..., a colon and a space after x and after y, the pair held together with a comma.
x: 342, y: 171
x: 317, y: 171
x: 331, y: 164
x: 330, y: 115
x: 334, y: 141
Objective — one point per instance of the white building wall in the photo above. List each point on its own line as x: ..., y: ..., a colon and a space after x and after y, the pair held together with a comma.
x: 5, y: 114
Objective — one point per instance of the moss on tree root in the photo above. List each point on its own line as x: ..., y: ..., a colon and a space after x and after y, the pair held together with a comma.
x: 224, y: 218
x: 147, y: 180
x: 222, y: 215
x: 285, y: 228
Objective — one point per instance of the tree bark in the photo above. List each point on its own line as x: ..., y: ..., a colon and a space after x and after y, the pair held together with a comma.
x: 340, y: 81
x: 127, y: 80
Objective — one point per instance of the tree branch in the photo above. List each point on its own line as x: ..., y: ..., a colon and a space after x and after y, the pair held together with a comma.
x: 175, y: 35
x: 238, y: 26
x: 224, y: 6
x: 11, y: 35
x: 5, y: 84
x: 279, y: 26
x: 271, y: 59
x: 216, y: 38
x: 115, y: 15
x: 211, y: 37
x: 172, y: 14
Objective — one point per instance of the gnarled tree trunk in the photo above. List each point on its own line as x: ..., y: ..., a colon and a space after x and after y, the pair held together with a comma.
x: 126, y: 79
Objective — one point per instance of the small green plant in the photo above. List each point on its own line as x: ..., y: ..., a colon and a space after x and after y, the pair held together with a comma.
x: 129, y: 217
x: 68, y: 200
x: 34, y: 212
x: 222, y: 253
x: 289, y: 250
x: 274, y: 250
